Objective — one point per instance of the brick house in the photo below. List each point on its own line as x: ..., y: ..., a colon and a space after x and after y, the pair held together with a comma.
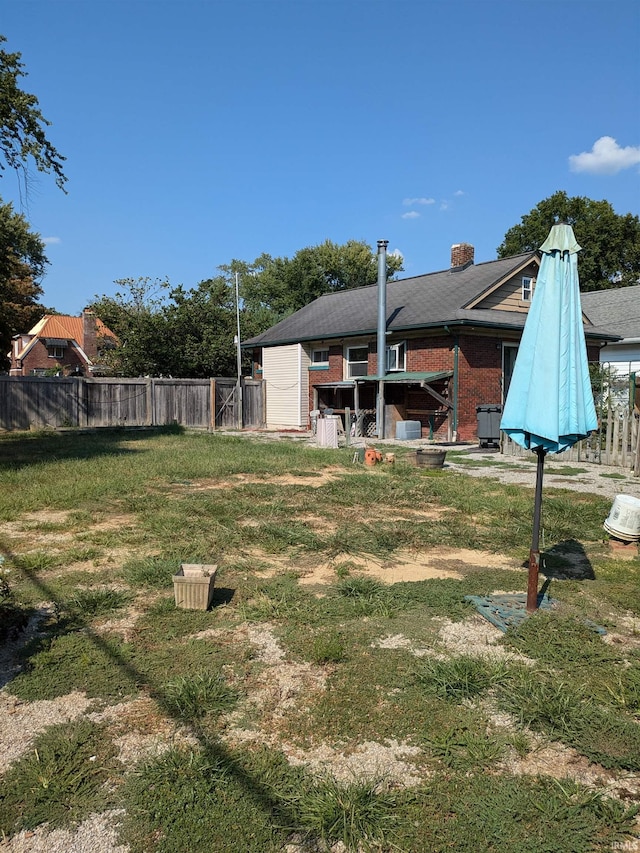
x: 62, y: 344
x: 451, y: 341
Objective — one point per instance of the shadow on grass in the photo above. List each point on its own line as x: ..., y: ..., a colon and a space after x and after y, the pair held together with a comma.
x: 567, y: 560
x: 213, y: 752
x: 22, y: 449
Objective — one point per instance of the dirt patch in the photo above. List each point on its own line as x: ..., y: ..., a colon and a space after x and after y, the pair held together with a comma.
x: 115, y: 522
x: 628, y: 633
x: 282, y: 681
x: 562, y: 762
x: 141, y: 731
x: 327, y: 475
x: 123, y: 626
x: 21, y: 722
x: 382, y: 762
x: 277, y: 690
x: 474, y: 637
x: 410, y: 566
x: 97, y: 834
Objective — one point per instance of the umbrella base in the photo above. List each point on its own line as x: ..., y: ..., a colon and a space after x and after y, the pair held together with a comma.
x: 510, y: 610
x: 507, y: 611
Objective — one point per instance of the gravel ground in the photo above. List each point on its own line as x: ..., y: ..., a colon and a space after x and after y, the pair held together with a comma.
x: 605, y: 480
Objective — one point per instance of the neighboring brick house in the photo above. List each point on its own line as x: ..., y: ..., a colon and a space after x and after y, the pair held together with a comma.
x: 63, y: 344
x: 452, y: 337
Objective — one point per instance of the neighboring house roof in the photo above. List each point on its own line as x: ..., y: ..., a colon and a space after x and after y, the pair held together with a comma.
x: 64, y: 328
x: 427, y: 301
x: 617, y: 308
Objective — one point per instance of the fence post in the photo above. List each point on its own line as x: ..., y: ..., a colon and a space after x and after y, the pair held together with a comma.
x: 636, y: 463
x: 625, y: 438
x: 212, y: 397
x: 608, y: 436
x: 615, y: 444
x: 149, y: 401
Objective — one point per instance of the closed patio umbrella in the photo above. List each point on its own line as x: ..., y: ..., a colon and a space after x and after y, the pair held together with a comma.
x: 549, y: 406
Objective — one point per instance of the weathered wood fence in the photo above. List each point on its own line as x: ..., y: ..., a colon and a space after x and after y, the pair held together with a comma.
x: 616, y: 442
x: 33, y: 402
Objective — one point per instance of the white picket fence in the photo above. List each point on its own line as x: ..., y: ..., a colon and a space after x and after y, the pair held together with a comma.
x: 617, y: 442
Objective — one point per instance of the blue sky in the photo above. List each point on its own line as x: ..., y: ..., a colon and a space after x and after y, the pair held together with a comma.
x: 198, y: 131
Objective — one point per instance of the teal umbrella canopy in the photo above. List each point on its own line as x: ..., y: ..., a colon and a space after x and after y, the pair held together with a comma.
x: 550, y: 405
x: 550, y: 401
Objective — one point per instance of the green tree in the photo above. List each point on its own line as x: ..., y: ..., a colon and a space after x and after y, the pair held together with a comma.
x: 135, y: 314
x: 190, y: 333
x: 276, y: 287
x: 203, y: 323
x: 165, y: 331
x: 22, y: 126
x: 22, y: 260
x: 610, y: 255
x: 22, y: 263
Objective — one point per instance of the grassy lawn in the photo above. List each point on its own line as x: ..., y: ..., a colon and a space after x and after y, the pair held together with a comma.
x: 340, y: 693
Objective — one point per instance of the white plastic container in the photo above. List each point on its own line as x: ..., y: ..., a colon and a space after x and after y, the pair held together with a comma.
x: 624, y: 518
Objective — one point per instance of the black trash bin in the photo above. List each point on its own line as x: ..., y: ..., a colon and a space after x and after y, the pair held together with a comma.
x: 489, y: 417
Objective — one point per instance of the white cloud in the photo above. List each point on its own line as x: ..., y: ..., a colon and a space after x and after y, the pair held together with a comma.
x: 444, y: 205
x: 459, y: 192
x: 397, y: 254
x: 412, y: 214
x: 605, y: 158
x: 411, y: 202
x: 48, y: 241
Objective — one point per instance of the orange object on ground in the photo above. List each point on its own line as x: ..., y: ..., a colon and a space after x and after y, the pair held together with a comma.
x: 372, y: 456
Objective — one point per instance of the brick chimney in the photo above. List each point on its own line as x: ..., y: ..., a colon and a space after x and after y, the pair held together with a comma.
x: 89, y: 335
x: 461, y: 255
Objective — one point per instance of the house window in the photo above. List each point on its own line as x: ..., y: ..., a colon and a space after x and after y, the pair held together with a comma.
x: 320, y: 358
x: 527, y: 288
x: 55, y: 351
x: 397, y: 357
x: 357, y: 361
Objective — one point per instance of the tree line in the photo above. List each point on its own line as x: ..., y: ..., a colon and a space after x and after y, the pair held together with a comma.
x: 170, y: 330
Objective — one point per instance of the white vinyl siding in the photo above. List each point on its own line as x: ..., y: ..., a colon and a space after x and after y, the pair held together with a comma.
x: 285, y: 371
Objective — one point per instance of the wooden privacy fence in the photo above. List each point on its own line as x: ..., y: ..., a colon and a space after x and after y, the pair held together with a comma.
x: 33, y: 402
x: 616, y: 442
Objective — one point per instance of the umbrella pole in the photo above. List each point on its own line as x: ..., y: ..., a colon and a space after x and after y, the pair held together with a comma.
x: 534, y: 553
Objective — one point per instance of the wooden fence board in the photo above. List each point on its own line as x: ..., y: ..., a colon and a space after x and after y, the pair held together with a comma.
x: 36, y: 402
x: 615, y: 444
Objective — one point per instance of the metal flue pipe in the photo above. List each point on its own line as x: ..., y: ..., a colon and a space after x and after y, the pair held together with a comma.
x: 382, y: 333
x: 239, y: 401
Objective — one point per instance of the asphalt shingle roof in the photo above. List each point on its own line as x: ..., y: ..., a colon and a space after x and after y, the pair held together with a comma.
x: 617, y: 309
x: 424, y: 301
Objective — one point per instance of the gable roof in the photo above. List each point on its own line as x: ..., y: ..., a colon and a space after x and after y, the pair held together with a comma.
x: 64, y: 328
x: 616, y: 308
x: 422, y: 302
